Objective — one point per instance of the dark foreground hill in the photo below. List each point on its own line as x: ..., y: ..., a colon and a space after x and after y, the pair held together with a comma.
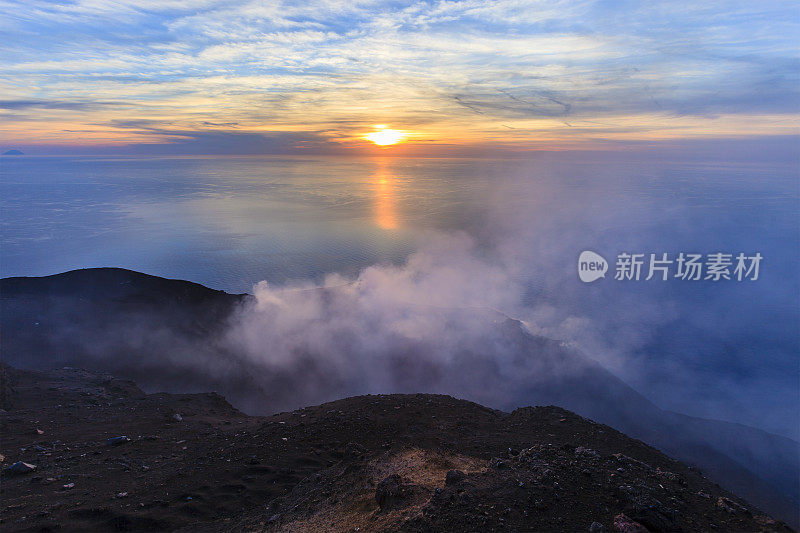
x: 103, y: 456
x: 165, y: 335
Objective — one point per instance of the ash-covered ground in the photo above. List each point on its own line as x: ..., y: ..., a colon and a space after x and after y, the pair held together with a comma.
x: 98, y: 454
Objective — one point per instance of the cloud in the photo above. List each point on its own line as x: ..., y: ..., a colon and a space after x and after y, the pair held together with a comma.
x: 426, y: 325
x: 214, y: 141
x: 57, y: 104
x: 455, y: 70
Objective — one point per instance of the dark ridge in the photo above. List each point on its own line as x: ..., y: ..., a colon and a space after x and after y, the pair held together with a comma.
x: 118, y: 284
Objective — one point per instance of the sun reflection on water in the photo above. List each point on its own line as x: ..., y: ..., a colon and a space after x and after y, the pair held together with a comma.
x: 385, y: 207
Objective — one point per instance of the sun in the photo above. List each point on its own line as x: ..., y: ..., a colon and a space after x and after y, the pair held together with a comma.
x: 383, y: 136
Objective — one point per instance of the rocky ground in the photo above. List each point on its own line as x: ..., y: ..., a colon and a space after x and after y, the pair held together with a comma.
x: 84, y: 451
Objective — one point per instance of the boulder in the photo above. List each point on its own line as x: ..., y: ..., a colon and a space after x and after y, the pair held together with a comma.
x: 20, y: 468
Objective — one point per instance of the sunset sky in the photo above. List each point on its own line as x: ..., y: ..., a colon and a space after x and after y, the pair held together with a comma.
x: 250, y: 77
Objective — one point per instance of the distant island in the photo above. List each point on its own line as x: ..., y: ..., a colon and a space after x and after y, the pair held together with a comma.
x: 13, y: 152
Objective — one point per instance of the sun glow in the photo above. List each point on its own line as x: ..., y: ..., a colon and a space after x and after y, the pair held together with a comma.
x: 385, y: 136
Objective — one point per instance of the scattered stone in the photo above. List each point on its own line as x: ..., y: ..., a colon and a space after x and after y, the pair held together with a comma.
x: 528, y: 454
x: 117, y: 441
x: 353, y: 449
x: 722, y: 503
x: 390, y: 490
x: 623, y: 524
x: 20, y: 468
x: 580, y: 450
x: 597, y: 527
x: 646, y: 509
x: 497, y: 463
x: 68, y: 486
x: 631, y: 461
x: 730, y: 506
x: 177, y: 417
x: 453, y: 477
x: 122, y: 495
x: 39, y: 431
x: 766, y: 521
x: 671, y: 476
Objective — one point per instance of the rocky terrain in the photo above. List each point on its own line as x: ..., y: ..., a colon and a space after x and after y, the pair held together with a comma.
x: 170, y: 335
x: 85, y: 451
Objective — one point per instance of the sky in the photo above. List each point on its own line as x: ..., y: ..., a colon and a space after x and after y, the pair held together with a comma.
x: 259, y: 77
